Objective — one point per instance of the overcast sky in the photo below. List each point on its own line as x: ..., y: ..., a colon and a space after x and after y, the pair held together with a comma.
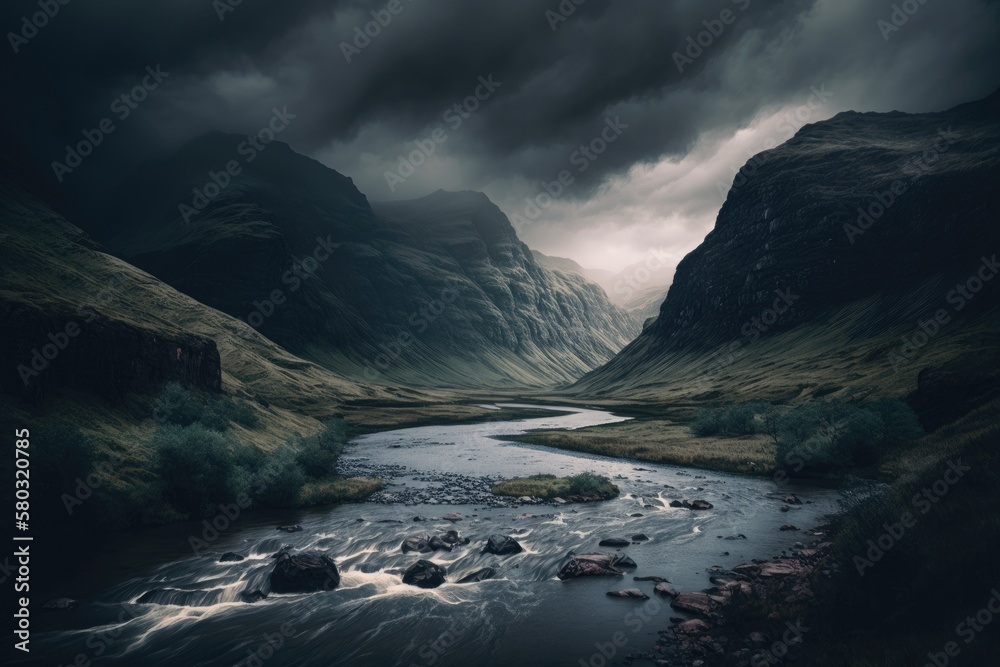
x: 558, y: 80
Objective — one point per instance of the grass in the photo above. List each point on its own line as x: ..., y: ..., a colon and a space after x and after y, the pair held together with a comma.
x: 663, y: 441
x: 550, y: 486
x: 340, y: 490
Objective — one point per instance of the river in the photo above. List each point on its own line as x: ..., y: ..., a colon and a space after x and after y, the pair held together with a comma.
x: 524, y: 616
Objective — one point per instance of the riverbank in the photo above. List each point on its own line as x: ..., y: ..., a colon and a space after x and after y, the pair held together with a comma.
x: 668, y: 441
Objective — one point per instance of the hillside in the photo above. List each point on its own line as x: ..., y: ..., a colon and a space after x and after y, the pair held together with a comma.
x: 434, y: 292
x: 827, y: 269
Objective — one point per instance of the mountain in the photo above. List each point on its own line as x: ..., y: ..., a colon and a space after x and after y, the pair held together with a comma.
x: 437, y: 291
x: 858, y: 257
x: 638, y: 289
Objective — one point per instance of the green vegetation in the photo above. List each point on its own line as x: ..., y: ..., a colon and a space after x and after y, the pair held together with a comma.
x: 181, y: 406
x: 935, y: 574
x: 550, y: 486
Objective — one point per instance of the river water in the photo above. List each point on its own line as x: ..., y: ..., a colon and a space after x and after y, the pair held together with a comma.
x: 524, y: 616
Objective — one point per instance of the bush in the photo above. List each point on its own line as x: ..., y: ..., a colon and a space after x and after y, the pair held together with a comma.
x: 318, y: 454
x: 183, y: 407
x: 587, y: 483
x: 831, y: 436
x: 198, y: 468
x: 63, y: 453
x: 733, y: 419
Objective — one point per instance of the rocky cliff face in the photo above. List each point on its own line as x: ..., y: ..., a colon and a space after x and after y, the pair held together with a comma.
x: 842, y: 242
x: 438, y: 291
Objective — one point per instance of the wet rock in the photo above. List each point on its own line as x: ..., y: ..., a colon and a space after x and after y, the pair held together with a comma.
x: 636, y: 515
x: 614, y: 542
x: 502, y: 545
x: 658, y: 580
x: 741, y: 536
x: 788, y: 526
x: 695, y: 626
x: 630, y: 593
x: 699, y: 505
x: 419, y: 543
x: 676, y: 503
x: 666, y: 588
x: 291, y: 529
x: 792, y: 500
x: 625, y: 562
x: 452, y: 516
x: 785, y: 508
x: 478, y: 575
x: 438, y: 544
x: 694, y: 603
x: 782, y: 568
x: 590, y: 565
x: 304, y: 573
x: 420, y: 518
x: 60, y: 604
x: 230, y: 557
x: 452, y: 537
x: 424, y: 574
x: 640, y: 537
x: 252, y: 596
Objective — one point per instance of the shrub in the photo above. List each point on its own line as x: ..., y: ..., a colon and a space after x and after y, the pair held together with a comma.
x: 183, y: 407
x: 198, y: 468
x: 318, y: 454
x: 733, y: 419
x: 179, y: 405
x: 587, y: 483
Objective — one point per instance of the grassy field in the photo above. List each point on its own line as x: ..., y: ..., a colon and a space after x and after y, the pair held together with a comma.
x: 663, y: 441
x: 343, y: 490
x: 550, y: 486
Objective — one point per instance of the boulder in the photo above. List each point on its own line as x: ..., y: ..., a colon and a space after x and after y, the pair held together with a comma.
x: 304, y: 572
x: 594, y: 565
x: 614, y: 542
x: 788, y: 526
x: 658, y: 580
x: 438, y: 544
x: 630, y: 593
x: 291, y: 529
x: 676, y: 503
x: 478, y: 575
x: 502, y: 545
x: 693, y: 603
x: 666, y: 588
x: 424, y: 574
x: 420, y: 543
x: 230, y: 557
x: 695, y: 626
x: 452, y: 516
x: 699, y: 505
x: 792, y: 500
x: 640, y: 537
x: 625, y: 562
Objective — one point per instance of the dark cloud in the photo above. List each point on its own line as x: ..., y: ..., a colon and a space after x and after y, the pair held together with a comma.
x: 557, y: 87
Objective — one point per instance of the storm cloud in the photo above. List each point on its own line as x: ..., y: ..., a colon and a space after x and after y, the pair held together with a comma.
x: 694, y: 89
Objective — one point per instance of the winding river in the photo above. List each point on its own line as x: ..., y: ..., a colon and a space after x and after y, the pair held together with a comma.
x: 524, y: 616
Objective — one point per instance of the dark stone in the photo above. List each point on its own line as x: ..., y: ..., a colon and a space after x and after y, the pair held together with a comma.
x: 478, y: 575
x: 676, y: 503
x: 658, y: 580
x: 252, y: 596
x: 595, y: 565
x: 626, y: 562
x: 438, y: 544
x: 788, y: 526
x: 230, y: 557
x: 614, y: 542
x: 424, y: 574
x: 419, y: 543
x: 291, y: 529
x: 699, y: 505
x: 502, y: 545
x: 639, y: 537
x: 630, y: 593
x: 304, y: 573
x: 452, y: 516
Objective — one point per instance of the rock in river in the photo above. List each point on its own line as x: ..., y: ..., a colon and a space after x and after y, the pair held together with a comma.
x: 694, y: 603
x: 502, y: 545
x: 424, y: 574
x: 614, y: 542
x: 666, y: 588
x: 419, y: 543
x: 291, y: 529
x: 304, y: 573
x: 630, y: 593
x: 230, y: 557
x: 478, y: 575
x: 594, y: 565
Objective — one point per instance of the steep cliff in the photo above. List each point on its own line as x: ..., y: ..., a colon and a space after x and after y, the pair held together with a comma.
x: 843, y: 261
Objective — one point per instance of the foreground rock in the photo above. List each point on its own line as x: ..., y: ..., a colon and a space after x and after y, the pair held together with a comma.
x: 630, y: 593
x: 694, y: 603
x: 502, y: 545
x: 425, y: 574
x: 230, y: 557
x: 305, y: 572
x: 595, y: 565
x: 424, y: 543
x: 666, y: 588
x: 478, y: 575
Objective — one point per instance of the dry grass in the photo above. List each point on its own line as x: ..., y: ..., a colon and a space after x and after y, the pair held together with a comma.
x: 663, y: 441
x: 550, y: 486
x: 342, y: 490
